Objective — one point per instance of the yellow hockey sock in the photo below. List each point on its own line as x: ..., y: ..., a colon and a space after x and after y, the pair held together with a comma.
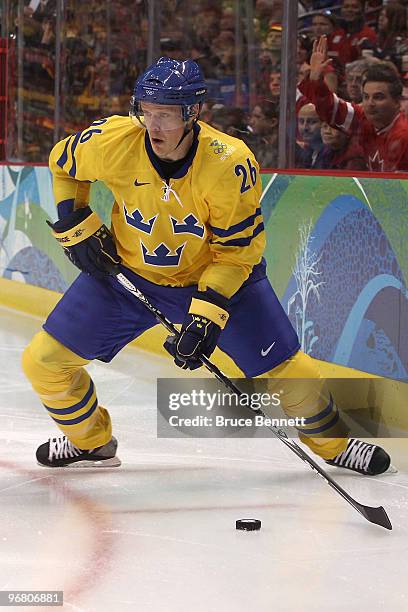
x: 67, y: 391
x: 323, y: 431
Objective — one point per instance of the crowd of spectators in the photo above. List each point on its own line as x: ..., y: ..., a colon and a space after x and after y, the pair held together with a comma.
x: 85, y: 60
x: 103, y: 45
x: 359, y: 113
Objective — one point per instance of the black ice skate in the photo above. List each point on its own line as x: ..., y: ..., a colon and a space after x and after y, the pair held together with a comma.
x: 60, y: 452
x: 359, y: 456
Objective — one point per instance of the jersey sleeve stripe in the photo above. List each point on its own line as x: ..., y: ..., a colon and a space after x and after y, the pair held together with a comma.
x: 238, y: 227
x: 74, y: 145
x: 77, y: 406
x: 349, y: 118
x: 335, y: 108
x: 241, y: 242
x: 63, y: 159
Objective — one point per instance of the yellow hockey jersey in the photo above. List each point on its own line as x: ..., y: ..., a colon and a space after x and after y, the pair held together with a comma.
x: 203, y: 226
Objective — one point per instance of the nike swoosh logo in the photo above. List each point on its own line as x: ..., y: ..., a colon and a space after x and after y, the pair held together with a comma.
x: 137, y: 184
x: 266, y: 351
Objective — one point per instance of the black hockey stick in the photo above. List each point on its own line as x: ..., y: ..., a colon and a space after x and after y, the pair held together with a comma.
x: 374, y: 515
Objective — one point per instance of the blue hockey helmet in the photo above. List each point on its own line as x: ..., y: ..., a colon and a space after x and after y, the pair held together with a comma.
x: 170, y: 81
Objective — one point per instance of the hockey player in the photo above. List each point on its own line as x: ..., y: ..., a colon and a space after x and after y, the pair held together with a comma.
x: 187, y: 230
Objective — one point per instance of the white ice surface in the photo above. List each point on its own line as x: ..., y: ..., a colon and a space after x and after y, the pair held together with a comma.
x: 158, y: 534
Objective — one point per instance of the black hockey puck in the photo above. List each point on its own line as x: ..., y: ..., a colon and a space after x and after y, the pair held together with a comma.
x: 248, y: 524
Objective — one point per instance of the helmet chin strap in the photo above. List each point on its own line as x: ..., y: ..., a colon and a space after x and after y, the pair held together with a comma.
x: 187, y: 130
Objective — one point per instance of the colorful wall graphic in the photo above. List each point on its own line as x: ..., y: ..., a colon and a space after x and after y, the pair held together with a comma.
x: 336, y: 255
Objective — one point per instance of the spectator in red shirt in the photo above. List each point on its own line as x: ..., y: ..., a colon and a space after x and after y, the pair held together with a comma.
x: 330, y: 76
x: 338, y: 46
x: 352, y: 21
x: 341, y: 151
x: 379, y: 124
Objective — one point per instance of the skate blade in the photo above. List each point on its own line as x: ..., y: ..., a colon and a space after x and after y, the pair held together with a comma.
x: 102, y: 463
x: 391, y: 470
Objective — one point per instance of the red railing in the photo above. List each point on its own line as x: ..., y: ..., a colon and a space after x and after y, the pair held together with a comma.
x: 3, y: 96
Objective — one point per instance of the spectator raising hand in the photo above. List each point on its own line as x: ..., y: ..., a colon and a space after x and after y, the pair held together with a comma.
x: 380, y: 127
x: 319, y: 60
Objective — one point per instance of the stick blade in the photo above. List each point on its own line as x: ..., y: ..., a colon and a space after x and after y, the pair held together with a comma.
x: 378, y: 516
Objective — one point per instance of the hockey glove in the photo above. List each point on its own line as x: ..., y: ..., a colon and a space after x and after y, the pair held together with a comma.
x: 200, y: 331
x: 87, y: 242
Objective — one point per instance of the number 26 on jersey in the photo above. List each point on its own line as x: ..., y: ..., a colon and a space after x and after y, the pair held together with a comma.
x: 248, y: 175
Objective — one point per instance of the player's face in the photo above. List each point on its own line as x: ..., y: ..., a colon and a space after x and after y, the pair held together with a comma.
x: 165, y: 126
x: 379, y: 106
